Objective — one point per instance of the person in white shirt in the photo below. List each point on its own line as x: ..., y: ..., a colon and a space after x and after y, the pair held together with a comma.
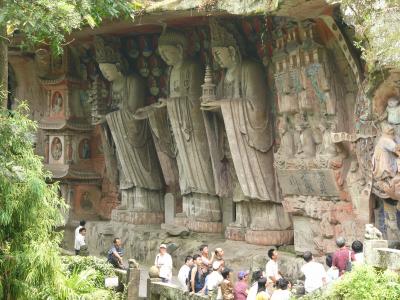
x: 271, y: 269
x: 82, y: 223
x: 332, y: 273
x: 254, y: 287
x: 163, y: 262
x: 314, y: 272
x: 282, y: 293
x: 80, y: 240
x: 214, y: 280
x: 357, y: 248
x: 183, y: 275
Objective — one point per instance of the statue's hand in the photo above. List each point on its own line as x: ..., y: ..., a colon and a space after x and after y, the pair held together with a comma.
x: 210, y: 105
x: 162, y: 102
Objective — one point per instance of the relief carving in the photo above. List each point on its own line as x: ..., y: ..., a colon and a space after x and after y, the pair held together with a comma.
x: 242, y: 98
x: 135, y: 149
x: 56, y: 148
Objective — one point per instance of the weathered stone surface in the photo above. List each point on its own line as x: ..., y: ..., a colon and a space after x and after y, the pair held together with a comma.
x: 174, y: 230
x: 308, y: 182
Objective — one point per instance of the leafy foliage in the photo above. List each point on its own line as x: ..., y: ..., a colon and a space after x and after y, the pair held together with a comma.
x: 29, y: 211
x: 77, y: 264
x: 47, y: 21
x: 364, y: 282
x: 377, y: 26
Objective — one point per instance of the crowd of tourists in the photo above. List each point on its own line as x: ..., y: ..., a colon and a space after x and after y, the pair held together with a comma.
x: 209, y: 274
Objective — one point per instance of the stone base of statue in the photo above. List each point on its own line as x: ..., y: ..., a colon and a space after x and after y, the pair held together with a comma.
x: 269, y: 237
x: 235, y: 233
x: 201, y: 213
x: 140, y: 206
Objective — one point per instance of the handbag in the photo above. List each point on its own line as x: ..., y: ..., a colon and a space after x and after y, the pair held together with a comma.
x: 348, y: 263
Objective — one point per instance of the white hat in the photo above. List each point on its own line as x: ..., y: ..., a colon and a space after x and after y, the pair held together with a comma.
x: 216, y: 265
x: 163, y: 246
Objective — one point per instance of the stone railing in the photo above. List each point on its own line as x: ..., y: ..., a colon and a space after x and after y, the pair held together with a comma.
x: 378, y: 254
x: 157, y: 290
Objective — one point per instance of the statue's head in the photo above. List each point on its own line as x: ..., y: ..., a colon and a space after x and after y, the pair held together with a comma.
x: 172, y: 45
x: 225, y: 48
x: 111, y: 64
x: 392, y: 102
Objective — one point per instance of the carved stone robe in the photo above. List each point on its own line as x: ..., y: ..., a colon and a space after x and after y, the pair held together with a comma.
x: 249, y: 131
x: 183, y: 104
x: 133, y: 138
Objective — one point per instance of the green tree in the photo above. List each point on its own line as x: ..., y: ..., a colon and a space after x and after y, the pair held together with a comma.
x: 30, y: 266
x: 377, y: 25
x: 29, y: 212
x: 49, y: 21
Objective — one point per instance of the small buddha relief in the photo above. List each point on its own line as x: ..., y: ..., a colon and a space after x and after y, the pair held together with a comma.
x: 146, y: 46
x: 155, y: 66
x: 143, y: 67
x: 84, y: 149
x: 56, y: 148
x: 57, y: 103
x: 85, y: 203
x: 154, y: 89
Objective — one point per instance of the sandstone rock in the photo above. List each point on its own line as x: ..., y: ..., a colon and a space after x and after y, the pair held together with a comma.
x: 153, y: 272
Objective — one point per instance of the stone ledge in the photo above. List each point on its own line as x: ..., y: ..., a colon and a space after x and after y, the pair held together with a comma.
x: 137, y: 217
x: 270, y: 237
x: 235, y: 233
x: 205, y: 227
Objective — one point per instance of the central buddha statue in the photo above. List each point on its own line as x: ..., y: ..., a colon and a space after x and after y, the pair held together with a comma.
x: 196, y: 180
x: 141, y: 180
x: 242, y: 98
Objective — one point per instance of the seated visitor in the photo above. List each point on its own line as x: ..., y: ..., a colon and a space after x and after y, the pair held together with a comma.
x: 282, y: 293
x: 115, y: 254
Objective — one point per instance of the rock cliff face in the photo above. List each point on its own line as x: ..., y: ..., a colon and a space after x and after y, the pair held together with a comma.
x: 258, y: 128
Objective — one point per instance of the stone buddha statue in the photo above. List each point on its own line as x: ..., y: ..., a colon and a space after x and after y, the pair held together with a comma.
x: 242, y: 94
x: 141, y: 181
x: 183, y: 106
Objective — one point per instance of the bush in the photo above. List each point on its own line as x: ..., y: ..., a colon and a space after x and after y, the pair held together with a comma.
x: 364, y: 282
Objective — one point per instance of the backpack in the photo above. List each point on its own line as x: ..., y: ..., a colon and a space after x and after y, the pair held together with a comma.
x: 348, y: 263
x: 189, y: 279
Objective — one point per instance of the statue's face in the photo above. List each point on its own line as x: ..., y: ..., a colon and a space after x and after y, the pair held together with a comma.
x: 393, y: 102
x: 172, y: 55
x: 224, y: 56
x: 110, y: 71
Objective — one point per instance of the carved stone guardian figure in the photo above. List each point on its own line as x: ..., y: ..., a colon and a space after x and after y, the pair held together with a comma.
x: 242, y: 97
x: 141, y: 181
x: 200, y: 202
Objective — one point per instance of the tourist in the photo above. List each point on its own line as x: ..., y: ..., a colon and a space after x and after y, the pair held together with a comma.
x: 115, y: 254
x: 282, y: 293
x: 271, y: 269
x: 257, y: 275
x: 240, y: 290
x: 82, y: 223
x: 213, y: 281
x: 262, y: 293
x: 226, y: 285
x: 357, y: 247
x: 80, y: 240
x: 314, y: 272
x: 183, y: 275
x: 333, y: 273
x: 218, y: 254
x: 204, y: 257
x: 163, y: 262
x: 197, y: 276
x: 342, y: 257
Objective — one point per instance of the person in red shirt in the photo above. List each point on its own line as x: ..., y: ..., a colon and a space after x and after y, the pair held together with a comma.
x: 241, y: 287
x: 343, y: 256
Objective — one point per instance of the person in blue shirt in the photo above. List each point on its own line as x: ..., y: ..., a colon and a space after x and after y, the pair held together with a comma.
x: 115, y: 254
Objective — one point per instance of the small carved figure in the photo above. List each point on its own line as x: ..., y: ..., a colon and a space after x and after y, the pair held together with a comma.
x: 56, y: 149
x: 287, y: 140
x: 86, y: 204
x: 85, y: 149
x: 327, y: 147
x: 306, y: 146
x: 384, y: 160
x: 57, y: 104
x: 372, y: 233
x: 392, y: 112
